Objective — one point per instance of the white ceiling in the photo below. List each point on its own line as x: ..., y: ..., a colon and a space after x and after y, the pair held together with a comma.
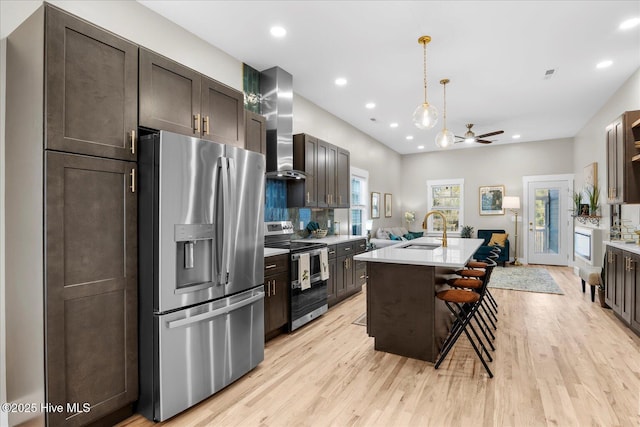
x: 494, y: 52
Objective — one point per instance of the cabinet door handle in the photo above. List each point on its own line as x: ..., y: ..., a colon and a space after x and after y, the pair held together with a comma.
x: 205, y: 124
x: 274, y: 287
x: 270, y: 266
x: 133, y: 141
x: 307, y: 197
x: 339, y: 200
x: 347, y: 249
x: 332, y: 252
x: 196, y: 121
x: 132, y: 174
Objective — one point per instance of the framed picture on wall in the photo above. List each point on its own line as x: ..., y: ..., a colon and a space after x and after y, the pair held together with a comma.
x: 591, y: 174
x: 375, y: 205
x: 387, y: 205
x: 491, y: 200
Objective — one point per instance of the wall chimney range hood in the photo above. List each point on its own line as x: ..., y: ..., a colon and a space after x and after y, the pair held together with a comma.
x: 276, y: 87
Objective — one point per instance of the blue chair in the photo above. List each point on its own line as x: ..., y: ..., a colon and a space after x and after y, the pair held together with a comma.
x: 484, y: 250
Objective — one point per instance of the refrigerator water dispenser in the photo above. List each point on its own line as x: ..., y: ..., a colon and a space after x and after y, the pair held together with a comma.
x: 194, y: 256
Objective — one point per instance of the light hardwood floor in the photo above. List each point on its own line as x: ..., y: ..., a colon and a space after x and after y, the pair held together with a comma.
x: 560, y: 360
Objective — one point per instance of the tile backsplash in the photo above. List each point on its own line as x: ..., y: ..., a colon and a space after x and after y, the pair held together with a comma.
x: 275, y: 209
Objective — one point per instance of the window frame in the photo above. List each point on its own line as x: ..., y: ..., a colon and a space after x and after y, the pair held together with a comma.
x: 440, y: 182
x: 363, y: 176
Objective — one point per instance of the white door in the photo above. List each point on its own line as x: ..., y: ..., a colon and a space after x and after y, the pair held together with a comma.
x: 547, y: 227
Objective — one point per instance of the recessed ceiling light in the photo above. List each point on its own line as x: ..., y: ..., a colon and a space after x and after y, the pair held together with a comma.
x: 393, y: 125
x: 341, y: 81
x: 604, y: 64
x: 420, y: 147
x: 629, y: 23
x: 278, y: 31
x: 516, y: 136
x: 409, y: 137
x: 370, y: 105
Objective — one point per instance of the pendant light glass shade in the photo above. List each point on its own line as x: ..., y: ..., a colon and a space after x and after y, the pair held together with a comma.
x: 425, y: 116
x: 445, y: 138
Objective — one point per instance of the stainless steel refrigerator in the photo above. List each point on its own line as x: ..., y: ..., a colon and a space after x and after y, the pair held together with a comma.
x: 201, y: 251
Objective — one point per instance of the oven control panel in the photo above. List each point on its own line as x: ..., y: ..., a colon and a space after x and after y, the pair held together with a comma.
x: 278, y: 227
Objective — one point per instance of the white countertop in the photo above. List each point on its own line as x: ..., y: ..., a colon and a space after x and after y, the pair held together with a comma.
x: 456, y: 254
x: 631, y: 247
x: 273, y: 252
x: 332, y: 240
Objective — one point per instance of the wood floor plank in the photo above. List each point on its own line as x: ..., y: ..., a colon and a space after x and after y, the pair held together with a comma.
x: 560, y: 360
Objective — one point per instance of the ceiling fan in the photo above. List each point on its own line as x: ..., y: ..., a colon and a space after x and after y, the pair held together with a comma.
x: 470, y: 137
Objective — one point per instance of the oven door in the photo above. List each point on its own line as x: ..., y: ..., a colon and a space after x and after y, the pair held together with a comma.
x: 308, y: 304
x: 314, y: 267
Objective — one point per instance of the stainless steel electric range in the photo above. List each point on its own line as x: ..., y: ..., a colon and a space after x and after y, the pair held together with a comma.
x: 305, y: 304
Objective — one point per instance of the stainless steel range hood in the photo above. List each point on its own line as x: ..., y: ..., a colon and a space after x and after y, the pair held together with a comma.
x: 276, y: 87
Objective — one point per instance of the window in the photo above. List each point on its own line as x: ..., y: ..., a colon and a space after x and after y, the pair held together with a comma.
x: 359, y: 201
x: 446, y: 196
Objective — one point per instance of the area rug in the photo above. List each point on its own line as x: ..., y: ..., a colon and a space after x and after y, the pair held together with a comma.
x: 530, y: 279
x: 362, y: 320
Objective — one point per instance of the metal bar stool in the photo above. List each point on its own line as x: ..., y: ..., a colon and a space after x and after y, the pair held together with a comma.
x: 464, y: 305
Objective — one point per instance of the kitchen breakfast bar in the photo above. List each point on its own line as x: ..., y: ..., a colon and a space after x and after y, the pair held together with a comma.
x: 403, y: 314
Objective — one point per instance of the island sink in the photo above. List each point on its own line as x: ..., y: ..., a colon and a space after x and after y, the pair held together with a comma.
x: 421, y: 246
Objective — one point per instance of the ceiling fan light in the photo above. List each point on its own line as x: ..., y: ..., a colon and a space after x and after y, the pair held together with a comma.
x: 445, y: 138
x: 425, y: 116
x: 469, y: 140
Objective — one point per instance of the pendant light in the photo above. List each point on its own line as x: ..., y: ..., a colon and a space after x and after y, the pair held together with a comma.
x: 425, y: 116
x: 445, y: 138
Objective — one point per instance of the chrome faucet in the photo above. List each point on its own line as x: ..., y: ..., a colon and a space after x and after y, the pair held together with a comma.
x: 444, y: 221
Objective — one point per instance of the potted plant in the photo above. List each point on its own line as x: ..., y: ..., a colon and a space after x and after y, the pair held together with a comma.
x: 466, y: 232
x: 593, y: 193
x: 577, y: 199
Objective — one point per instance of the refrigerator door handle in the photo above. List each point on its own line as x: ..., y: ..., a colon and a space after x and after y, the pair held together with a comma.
x: 232, y: 223
x: 226, y: 220
x: 214, y: 313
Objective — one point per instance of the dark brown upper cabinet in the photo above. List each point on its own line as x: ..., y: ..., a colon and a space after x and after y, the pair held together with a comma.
x: 169, y: 95
x: 304, y: 193
x: 178, y: 99
x: 222, y: 113
x: 343, y: 179
x: 91, y: 84
x: 255, y: 132
x: 623, y: 172
x: 327, y: 168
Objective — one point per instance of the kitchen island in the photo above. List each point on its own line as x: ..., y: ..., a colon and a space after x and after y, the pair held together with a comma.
x: 403, y: 314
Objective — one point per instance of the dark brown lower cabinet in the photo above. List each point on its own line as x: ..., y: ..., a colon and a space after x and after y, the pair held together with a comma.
x: 90, y: 287
x: 350, y: 274
x: 621, y: 287
x: 613, y: 288
x: 635, y: 292
x: 276, y: 289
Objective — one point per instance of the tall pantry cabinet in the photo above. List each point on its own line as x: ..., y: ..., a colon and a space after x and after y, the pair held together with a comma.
x: 71, y: 275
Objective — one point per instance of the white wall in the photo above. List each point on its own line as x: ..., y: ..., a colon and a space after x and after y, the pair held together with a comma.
x: 382, y: 163
x: 590, y: 144
x: 4, y: 420
x: 482, y: 166
x: 134, y: 22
